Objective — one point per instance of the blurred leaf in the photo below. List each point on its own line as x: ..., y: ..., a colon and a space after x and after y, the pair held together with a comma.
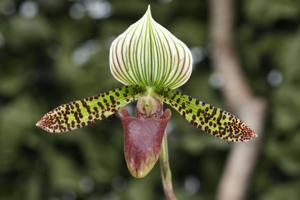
x: 23, y: 32
x: 283, y: 191
x: 190, y: 31
x: 271, y: 10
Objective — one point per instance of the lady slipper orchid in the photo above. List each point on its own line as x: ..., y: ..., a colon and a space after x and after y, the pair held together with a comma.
x: 151, y: 63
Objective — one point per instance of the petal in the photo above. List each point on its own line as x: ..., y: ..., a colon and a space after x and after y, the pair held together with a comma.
x: 147, y: 54
x: 209, y: 119
x: 142, y: 141
x: 81, y: 113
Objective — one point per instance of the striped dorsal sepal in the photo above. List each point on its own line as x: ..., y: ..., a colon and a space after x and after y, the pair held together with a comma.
x: 209, y: 119
x: 81, y: 113
x: 147, y: 54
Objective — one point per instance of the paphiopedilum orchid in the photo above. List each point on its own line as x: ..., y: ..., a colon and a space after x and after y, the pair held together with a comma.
x: 151, y: 63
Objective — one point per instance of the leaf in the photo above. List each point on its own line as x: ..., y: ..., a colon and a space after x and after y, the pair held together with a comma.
x: 81, y: 113
x: 209, y: 119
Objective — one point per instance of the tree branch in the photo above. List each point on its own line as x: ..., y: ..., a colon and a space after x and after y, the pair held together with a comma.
x: 242, y: 158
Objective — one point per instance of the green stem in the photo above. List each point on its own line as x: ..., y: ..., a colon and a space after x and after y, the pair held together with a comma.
x: 166, y: 171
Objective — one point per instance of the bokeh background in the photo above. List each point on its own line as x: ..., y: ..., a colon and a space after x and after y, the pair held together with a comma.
x: 55, y: 51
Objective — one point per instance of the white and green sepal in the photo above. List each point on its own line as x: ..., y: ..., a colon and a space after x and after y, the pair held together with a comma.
x: 147, y: 54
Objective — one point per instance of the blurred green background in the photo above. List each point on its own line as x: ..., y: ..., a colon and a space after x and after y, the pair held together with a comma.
x: 55, y: 51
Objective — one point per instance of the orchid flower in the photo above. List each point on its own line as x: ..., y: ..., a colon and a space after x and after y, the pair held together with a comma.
x: 151, y: 63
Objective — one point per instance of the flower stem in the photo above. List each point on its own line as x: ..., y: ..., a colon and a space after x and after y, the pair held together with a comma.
x: 166, y: 171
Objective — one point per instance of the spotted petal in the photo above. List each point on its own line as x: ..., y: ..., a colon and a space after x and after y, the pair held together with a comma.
x: 81, y: 113
x: 147, y: 54
x: 208, y: 118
